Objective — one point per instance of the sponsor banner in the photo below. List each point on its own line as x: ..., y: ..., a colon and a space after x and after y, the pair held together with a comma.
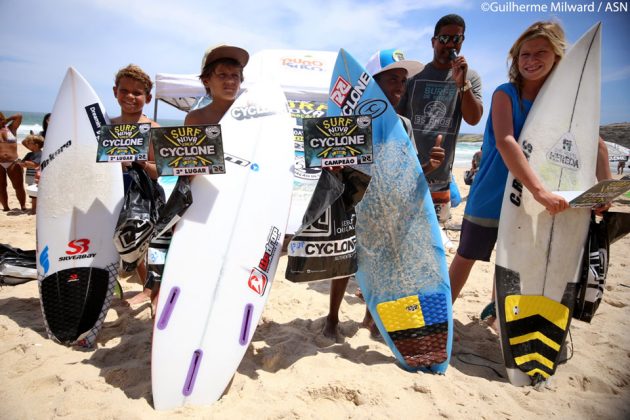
x: 123, y: 143
x: 326, y: 248
x: 188, y: 150
x: 306, y: 109
x: 338, y: 141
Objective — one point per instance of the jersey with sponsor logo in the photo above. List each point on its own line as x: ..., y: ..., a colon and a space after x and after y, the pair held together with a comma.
x: 433, y: 105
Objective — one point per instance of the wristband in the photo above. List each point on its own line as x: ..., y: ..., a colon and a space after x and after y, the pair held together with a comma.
x: 466, y: 86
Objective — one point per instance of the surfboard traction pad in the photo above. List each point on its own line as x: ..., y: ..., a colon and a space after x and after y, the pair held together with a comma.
x: 418, y: 327
x: 75, y: 301
x: 535, y: 327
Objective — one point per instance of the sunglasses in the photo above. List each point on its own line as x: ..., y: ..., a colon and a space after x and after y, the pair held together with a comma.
x: 444, y: 39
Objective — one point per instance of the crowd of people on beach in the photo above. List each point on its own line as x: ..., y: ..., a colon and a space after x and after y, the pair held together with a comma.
x: 20, y: 171
x: 532, y: 58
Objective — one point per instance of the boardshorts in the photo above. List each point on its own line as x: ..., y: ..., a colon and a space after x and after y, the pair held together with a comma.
x: 476, y: 242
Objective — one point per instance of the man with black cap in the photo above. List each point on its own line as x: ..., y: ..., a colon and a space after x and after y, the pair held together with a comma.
x: 436, y: 100
x: 222, y: 75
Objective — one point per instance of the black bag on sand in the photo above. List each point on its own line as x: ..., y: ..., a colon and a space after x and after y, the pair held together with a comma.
x: 16, y: 265
x: 138, y: 217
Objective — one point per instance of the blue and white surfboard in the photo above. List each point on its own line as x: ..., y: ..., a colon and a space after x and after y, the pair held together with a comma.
x: 402, y: 264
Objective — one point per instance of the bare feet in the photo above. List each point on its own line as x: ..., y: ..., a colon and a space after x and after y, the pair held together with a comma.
x: 140, y: 298
x: 331, y: 328
x: 369, y: 323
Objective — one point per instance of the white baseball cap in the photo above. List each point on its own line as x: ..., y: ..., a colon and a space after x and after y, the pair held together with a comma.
x: 384, y: 60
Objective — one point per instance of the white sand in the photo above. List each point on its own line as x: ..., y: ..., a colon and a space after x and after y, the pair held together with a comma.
x: 291, y: 371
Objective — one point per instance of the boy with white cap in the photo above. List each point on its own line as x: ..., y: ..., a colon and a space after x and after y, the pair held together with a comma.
x: 390, y: 70
x: 222, y: 75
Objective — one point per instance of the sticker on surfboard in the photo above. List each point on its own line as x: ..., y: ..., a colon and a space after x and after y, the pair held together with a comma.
x: 123, y: 143
x: 188, y: 150
x: 565, y: 152
x: 338, y: 141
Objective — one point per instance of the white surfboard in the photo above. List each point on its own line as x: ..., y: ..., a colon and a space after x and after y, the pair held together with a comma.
x: 538, y: 255
x: 224, y: 254
x: 77, y: 208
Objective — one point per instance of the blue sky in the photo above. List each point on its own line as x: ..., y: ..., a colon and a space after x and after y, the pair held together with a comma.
x: 41, y: 39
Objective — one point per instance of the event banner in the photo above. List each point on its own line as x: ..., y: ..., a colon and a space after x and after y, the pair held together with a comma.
x: 188, y: 150
x: 338, y: 141
x: 123, y: 143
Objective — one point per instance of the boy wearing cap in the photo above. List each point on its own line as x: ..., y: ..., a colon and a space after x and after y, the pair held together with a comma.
x: 390, y: 71
x: 437, y: 99
x: 222, y: 75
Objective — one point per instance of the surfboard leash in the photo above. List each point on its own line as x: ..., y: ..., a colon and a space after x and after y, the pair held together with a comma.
x: 499, y: 374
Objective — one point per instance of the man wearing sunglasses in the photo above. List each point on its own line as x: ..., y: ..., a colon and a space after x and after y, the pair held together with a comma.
x: 435, y: 101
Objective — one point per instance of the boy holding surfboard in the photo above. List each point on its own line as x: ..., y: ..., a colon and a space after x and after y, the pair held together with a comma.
x: 390, y: 70
x: 132, y: 89
x: 533, y: 57
x: 221, y: 75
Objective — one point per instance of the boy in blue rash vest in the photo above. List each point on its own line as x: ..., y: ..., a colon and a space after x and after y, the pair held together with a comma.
x: 437, y: 99
x: 390, y: 70
x: 533, y: 56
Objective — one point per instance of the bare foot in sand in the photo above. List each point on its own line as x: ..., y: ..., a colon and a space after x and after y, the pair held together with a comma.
x: 331, y: 328
x: 369, y: 323
x: 141, y: 298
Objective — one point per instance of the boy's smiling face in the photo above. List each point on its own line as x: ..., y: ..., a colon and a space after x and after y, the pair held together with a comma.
x: 131, y: 95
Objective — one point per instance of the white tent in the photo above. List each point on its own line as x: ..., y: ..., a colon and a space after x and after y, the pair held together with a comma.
x: 179, y: 90
x: 305, y: 78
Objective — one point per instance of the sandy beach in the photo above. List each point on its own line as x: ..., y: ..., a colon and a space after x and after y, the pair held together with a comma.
x: 291, y: 371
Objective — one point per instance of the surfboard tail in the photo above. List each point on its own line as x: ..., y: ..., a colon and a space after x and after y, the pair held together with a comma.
x: 74, y: 302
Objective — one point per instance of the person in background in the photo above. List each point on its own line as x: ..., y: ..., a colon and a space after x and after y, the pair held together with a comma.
x: 437, y: 99
x: 390, y: 70
x: 9, y: 167
x: 469, y: 175
x: 31, y: 162
x: 620, y: 166
x: 45, y: 122
x: 533, y: 56
x: 132, y: 89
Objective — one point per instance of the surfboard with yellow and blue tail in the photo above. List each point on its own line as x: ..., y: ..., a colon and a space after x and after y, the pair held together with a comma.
x: 401, y: 260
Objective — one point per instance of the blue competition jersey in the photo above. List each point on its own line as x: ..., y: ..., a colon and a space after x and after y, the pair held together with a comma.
x: 486, y: 194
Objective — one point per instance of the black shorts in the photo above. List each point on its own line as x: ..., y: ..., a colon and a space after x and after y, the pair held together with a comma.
x: 476, y: 242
